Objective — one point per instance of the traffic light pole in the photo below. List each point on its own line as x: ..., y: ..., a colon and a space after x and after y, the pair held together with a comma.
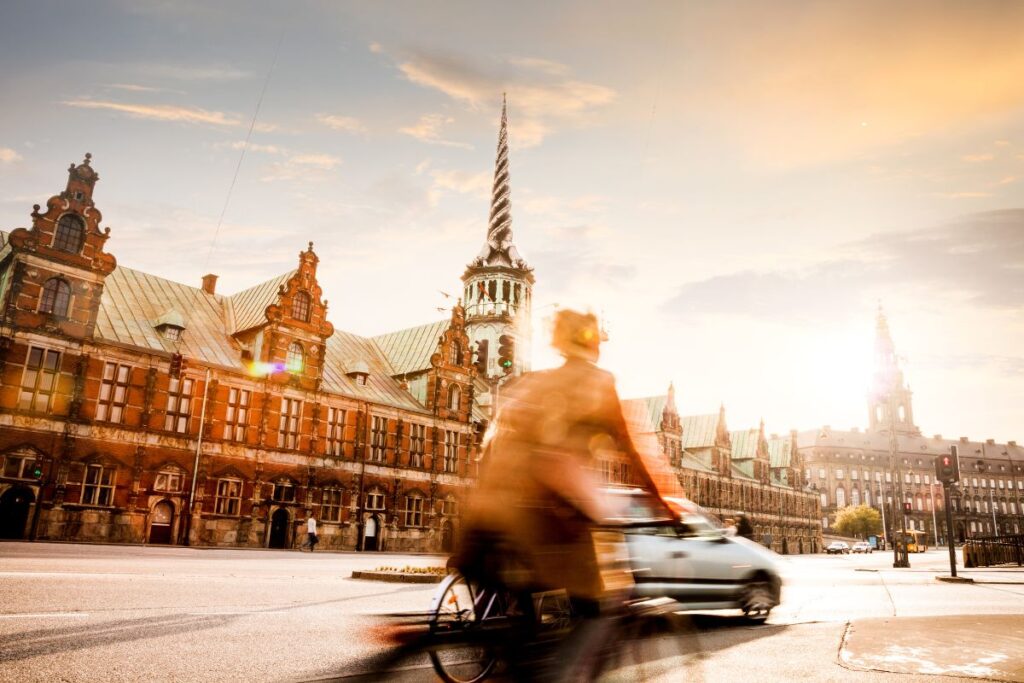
x: 949, y: 531
x: 900, y: 556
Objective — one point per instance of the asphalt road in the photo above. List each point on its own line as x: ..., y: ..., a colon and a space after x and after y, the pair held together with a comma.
x: 115, y: 613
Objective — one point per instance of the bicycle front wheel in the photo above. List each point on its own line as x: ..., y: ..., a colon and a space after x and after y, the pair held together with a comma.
x: 460, y: 607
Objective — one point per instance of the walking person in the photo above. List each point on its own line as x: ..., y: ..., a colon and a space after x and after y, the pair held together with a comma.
x: 311, y: 537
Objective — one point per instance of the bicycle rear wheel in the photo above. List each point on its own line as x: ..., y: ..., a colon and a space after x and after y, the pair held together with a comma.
x: 460, y: 607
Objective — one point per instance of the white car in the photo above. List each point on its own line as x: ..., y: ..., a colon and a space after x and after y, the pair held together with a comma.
x: 694, y: 561
x: 862, y: 547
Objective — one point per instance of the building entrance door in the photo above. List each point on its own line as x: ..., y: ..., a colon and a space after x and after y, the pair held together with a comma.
x: 370, y: 534
x: 14, y: 506
x: 162, y: 522
x: 279, y: 529
x: 446, y: 537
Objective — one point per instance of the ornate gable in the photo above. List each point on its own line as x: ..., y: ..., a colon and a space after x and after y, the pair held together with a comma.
x: 60, y: 264
x: 450, y: 384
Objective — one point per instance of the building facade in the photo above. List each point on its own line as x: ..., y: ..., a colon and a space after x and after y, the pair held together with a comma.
x: 734, y: 473
x: 137, y: 409
x: 857, y: 466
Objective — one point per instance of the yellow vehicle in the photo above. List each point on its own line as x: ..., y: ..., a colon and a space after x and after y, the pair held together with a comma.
x: 916, y: 541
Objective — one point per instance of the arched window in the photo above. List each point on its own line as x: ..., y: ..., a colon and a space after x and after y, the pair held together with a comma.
x: 56, y: 297
x: 454, y: 397
x: 296, y: 358
x: 70, y: 234
x: 854, y: 497
x: 300, y: 307
x: 840, y: 498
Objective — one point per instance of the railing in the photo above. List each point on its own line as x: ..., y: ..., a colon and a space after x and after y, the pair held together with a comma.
x: 989, y: 551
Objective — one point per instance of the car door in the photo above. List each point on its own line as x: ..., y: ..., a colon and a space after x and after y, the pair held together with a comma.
x: 659, y: 561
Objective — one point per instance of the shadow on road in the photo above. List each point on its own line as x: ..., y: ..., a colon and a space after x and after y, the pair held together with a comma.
x: 48, y: 641
x: 675, y: 645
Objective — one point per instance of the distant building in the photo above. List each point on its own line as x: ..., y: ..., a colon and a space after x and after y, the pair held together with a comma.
x: 856, y: 467
x: 123, y: 393
x: 734, y: 473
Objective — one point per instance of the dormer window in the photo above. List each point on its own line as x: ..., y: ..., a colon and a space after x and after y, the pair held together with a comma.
x: 358, y: 371
x: 296, y: 359
x: 70, y: 234
x: 300, y: 307
x: 56, y: 297
x: 170, y: 325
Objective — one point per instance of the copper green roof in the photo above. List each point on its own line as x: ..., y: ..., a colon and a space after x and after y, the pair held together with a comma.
x: 744, y: 444
x: 248, y: 307
x: 780, y: 451
x: 344, y: 350
x: 645, y: 413
x: 409, y: 350
x: 133, y: 300
x: 699, y: 431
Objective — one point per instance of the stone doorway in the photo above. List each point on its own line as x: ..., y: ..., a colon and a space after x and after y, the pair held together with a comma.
x: 14, y: 507
x: 161, y: 523
x: 280, y: 522
x: 371, y: 534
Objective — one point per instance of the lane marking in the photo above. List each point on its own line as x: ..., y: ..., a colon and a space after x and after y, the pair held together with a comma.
x: 45, y: 615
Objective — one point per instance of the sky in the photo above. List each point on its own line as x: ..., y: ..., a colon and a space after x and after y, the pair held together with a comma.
x: 733, y: 186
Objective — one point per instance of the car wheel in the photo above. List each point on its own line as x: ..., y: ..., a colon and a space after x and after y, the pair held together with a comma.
x: 757, y: 601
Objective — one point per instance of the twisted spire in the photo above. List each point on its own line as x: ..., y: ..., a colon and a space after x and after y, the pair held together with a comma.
x: 499, y: 250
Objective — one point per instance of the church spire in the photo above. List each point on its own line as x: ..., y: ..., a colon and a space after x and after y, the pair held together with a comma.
x: 499, y: 250
x: 889, y: 401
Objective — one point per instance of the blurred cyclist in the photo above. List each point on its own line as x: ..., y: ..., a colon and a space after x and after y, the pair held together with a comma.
x: 529, y: 520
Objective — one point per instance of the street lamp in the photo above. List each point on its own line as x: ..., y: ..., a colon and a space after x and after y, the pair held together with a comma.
x: 880, y: 497
x: 900, y: 557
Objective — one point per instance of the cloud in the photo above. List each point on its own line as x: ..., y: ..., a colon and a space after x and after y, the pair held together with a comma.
x: 253, y: 147
x: 8, y: 155
x: 428, y: 129
x: 976, y: 158
x: 307, y: 167
x: 542, y: 93
x: 964, y: 195
x: 976, y: 259
x: 132, y: 87
x: 159, y: 112
x: 344, y: 123
x: 193, y: 72
x: 463, y: 182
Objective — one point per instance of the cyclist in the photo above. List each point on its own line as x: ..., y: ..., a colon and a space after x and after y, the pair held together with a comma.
x: 529, y: 520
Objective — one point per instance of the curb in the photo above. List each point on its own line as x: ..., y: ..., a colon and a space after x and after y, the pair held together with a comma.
x: 397, y: 577
x: 954, y: 579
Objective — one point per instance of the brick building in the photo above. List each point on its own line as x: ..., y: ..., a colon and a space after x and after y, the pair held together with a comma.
x: 733, y: 473
x: 856, y: 466
x: 123, y: 392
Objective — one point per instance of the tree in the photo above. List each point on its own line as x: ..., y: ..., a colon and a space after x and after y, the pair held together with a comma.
x: 859, y: 521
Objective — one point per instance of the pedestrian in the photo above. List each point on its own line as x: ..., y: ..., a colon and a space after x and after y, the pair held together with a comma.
x: 311, y: 537
x: 744, y: 528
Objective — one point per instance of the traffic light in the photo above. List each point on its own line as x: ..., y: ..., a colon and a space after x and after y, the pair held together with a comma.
x: 37, y: 469
x: 506, y: 352
x: 480, y: 363
x: 177, y: 365
x: 906, y: 508
x: 947, y: 467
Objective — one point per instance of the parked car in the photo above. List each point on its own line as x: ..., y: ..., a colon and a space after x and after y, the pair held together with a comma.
x: 693, y: 560
x: 837, y: 548
x: 862, y: 547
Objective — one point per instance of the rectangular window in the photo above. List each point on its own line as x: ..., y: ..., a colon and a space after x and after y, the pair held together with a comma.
x: 417, y: 444
x: 40, y: 379
x: 288, y: 425
x: 284, y: 492
x: 854, y: 474
x: 927, y: 479
x: 821, y: 473
x: 113, y: 392
x: 330, y: 507
x: 906, y: 478
x: 378, y: 438
x: 374, y: 500
x: 98, y: 487
x: 414, y: 511
x: 983, y: 484
x: 888, y: 477
x: 917, y: 478
x: 237, y: 418
x: 992, y: 483
x: 18, y: 467
x: 449, y: 507
x: 839, y: 474
x: 229, y: 497
x: 168, y: 480
x: 335, y: 431
x: 179, y: 405
x: 451, y: 451
x: 878, y: 476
